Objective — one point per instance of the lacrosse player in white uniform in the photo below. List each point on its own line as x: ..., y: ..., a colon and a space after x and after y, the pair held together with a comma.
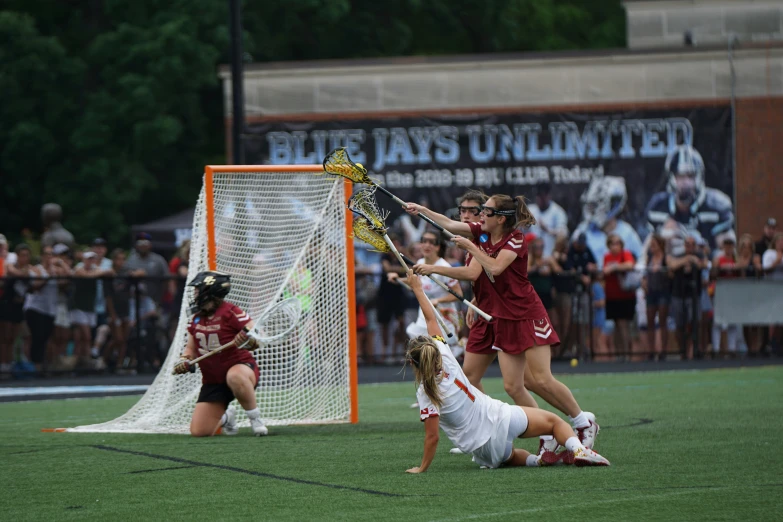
x: 433, y: 247
x: 474, y: 422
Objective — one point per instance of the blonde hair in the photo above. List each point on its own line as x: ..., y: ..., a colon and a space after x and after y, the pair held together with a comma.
x: 522, y: 214
x: 425, y: 358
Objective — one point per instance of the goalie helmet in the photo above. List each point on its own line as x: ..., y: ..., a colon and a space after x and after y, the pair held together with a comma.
x: 603, y: 200
x: 684, y: 169
x: 208, y: 285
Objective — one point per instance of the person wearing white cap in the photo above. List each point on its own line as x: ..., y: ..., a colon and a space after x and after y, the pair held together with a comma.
x: 82, y: 305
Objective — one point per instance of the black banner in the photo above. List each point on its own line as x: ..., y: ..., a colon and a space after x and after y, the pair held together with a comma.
x: 586, y: 160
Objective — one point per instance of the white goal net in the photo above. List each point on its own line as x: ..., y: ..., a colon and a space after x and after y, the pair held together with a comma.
x: 278, y: 234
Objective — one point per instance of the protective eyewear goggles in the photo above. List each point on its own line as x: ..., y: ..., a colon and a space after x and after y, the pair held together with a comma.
x: 489, y: 211
x: 473, y: 211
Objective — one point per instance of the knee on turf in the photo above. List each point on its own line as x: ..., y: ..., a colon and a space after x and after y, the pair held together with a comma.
x: 200, y: 432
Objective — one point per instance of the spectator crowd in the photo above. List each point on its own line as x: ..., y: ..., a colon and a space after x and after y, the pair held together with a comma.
x: 606, y: 301
x: 64, y: 308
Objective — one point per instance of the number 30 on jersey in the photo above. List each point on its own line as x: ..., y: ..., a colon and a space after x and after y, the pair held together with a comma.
x: 207, y: 344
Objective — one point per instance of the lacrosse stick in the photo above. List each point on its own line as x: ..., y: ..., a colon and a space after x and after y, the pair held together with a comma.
x: 363, y: 204
x: 273, y: 325
x: 339, y: 163
x: 464, y: 301
x: 363, y: 230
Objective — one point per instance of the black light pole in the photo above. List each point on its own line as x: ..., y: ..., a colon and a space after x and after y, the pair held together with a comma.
x: 237, y: 87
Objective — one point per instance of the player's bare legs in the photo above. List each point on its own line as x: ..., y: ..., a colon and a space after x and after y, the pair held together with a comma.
x: 532, y: 386
x: 242, y: 381
x: 513, y: 369
x: 544, y: 383
x: 475, y: 366
x: 207, y: 418
x: 542, y: 422
x: 558, y: 395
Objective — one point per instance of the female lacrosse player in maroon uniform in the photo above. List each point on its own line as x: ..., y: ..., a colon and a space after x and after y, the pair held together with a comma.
x: 521, y: 333
x: 232, y: 373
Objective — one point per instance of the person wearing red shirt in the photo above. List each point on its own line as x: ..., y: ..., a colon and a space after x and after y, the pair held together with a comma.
x: 232, y: 373
x: 520, y: 334
x: 620, y: 304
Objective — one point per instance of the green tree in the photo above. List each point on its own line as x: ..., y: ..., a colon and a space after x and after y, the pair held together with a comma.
x: 123, y: 102
x: 112, y: 107
x: 39, y: 86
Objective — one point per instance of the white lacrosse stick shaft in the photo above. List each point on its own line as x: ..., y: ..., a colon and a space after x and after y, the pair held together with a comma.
x: 441, y: 322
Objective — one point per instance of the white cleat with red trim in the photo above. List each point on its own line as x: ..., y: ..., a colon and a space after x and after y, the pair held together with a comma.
x: 588, y: 434
x: 588, y: 457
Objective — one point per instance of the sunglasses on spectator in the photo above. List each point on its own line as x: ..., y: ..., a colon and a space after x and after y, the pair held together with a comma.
x: 430, y: 241
x: 474, y: 211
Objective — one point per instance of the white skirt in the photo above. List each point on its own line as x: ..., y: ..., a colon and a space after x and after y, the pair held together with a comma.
x: 498, y: 449
x: 61, y: 317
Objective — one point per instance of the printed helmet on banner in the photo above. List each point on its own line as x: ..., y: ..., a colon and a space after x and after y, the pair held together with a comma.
x: 684, y: 169
x: 603, y: 200
x: 208, y: 285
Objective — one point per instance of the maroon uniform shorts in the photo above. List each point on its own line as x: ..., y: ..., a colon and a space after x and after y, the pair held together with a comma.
x: 512, y: 336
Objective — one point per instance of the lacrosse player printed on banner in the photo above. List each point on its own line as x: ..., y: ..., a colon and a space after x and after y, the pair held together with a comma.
x: 602, y: 205
x: 688, y: 206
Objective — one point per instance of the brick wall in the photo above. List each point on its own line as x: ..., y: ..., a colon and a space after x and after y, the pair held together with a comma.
x: 759, y: 163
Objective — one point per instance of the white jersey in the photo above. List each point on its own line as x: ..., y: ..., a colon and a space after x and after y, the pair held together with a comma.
x: 468, y: 417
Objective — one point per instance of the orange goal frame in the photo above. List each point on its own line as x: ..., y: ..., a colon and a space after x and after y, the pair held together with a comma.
x: 209, y: 172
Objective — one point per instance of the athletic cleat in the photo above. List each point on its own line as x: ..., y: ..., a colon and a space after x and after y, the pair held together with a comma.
x: 259, y: 430
x: 548, y: 458
x: 588, y: 457
x: 588, y: 434
x: 415, y: 405
x: 456, y: 451
x: 566, y: 457
x: 546, y: 446
x: 230, y: 426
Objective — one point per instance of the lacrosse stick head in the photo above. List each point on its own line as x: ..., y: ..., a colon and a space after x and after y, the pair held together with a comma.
x: 365, y: 232
x: 277, y: 322
x: 339, y: 163
x: 363, y: 203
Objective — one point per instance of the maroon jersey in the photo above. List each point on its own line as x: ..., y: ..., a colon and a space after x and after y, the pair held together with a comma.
x: 510, y: 296
x: 210, y: 333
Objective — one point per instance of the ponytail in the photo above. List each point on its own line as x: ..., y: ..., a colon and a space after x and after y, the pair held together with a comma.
x: 524, y: 216
x: 425, y: 358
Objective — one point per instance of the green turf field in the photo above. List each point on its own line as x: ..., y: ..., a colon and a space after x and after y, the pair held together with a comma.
x: 683, y: 446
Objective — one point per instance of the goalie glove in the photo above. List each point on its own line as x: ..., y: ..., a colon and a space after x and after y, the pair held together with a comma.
x: 183, y: 366
x: 244, y: 340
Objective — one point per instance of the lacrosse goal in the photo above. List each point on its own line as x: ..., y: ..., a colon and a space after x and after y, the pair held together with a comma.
x: 279, y: 231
